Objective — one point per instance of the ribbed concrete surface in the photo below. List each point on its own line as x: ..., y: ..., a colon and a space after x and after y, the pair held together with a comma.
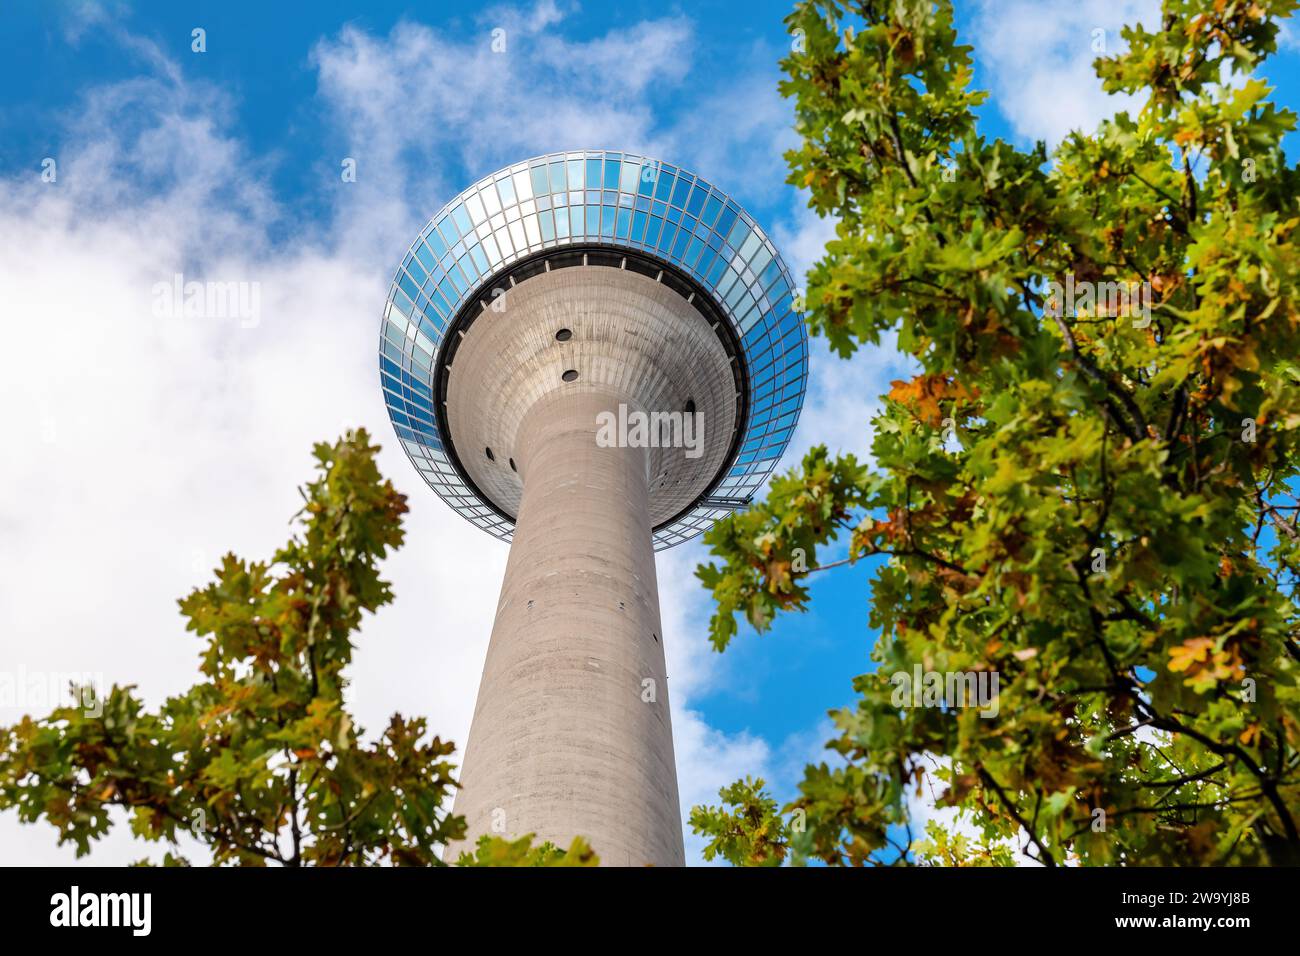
x: 564, y: 741
x: 632, y: 337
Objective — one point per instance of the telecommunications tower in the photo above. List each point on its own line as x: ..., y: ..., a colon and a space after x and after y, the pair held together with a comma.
x: 592, y: 355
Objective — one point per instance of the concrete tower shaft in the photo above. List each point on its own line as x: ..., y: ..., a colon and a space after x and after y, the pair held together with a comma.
x: 571, y: 733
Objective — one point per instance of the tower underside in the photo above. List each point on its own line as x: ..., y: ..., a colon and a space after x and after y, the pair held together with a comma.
x: 571, y: 733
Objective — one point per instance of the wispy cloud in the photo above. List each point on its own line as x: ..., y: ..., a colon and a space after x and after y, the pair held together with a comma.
x: 152, y: 445
x: 424, y: 114
x: 1037, y: 60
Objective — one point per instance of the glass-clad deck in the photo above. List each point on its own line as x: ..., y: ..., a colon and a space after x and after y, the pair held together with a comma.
x: 595, y: 198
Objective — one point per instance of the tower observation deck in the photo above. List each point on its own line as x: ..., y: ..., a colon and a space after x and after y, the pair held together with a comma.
x: 592, y: 355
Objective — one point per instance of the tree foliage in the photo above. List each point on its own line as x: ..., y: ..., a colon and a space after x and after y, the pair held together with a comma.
x: 747, y: 830
x: 261, y: 761
x: 1093, y: 500
x: 498, y: 851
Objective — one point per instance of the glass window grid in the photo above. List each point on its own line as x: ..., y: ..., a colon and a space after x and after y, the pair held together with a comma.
x: 609, y: 199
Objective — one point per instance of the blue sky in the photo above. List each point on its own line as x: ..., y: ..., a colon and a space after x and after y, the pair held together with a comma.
x: 154, y: 446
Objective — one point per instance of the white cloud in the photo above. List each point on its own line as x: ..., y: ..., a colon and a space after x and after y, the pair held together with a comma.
x: 923, y: 808
x: 147, y: 446
x: 407, y: 102
x: 1037, y: 60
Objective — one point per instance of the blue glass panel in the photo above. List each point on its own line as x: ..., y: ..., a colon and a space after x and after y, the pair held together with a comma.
x: 692, y: 251
x: 422, y: 388
x: 506, y: 189
x: 457, y: 282
x: 408, y: 286
x: 435, y: 243
x: 726, y: 220
x: 427, y: 258
x: 667, y: 237
x: 706, y: 262
x: 649, y: 176
x: 711, y: 209
x: 468, y: 266
x: 679, y: 244
x: 696, y: 202
x: 681, y: 191
x: 461, y: 218
x: 754, y: 338
x: 540, y: 186
x: 738, y: 234
x: 770, y: 274
x: 480, y: 260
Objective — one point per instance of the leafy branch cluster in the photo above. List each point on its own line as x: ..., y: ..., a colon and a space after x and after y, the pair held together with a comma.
x: 1100, y: 509
x: 260, y: 761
